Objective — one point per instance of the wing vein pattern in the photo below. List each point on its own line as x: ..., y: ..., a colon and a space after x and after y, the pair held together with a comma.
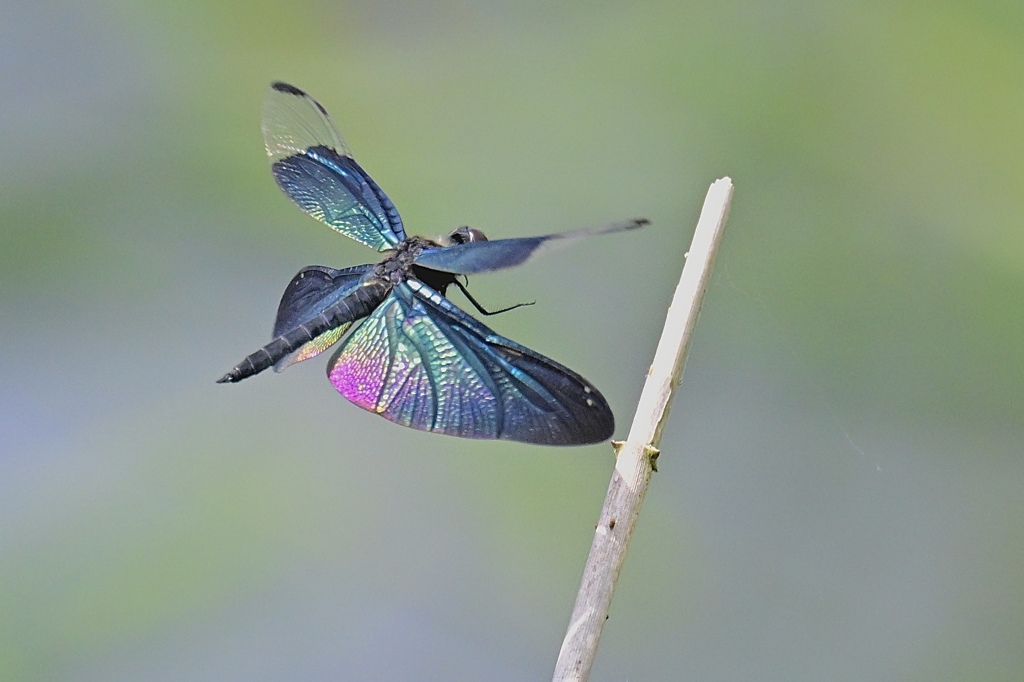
x: 421, y: 362
x: 313, y: 166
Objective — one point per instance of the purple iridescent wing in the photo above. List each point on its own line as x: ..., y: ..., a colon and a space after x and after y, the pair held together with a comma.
x: 315, y: 169
x: 421, y: 362
x: 311, y: 292
x: 483, y: 256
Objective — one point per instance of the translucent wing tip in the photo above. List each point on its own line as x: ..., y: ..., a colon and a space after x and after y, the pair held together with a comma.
x: 289, y: 89
x: 293, y: 121
x: 281, y: 86
x: 623, y: 226
x: 620, y: 226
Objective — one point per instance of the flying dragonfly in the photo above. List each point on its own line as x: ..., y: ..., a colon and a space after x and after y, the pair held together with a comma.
x: 414, y: 357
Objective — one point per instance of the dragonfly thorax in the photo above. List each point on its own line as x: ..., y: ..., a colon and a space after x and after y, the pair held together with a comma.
x: 400, y: 265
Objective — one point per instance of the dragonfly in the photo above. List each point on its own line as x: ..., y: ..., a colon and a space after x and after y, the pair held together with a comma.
x: 407, y: 352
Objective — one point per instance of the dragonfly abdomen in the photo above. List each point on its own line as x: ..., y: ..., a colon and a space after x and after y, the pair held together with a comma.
x: 360, y: 303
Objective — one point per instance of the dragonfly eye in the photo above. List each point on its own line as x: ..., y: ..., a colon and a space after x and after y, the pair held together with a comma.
x: 465, y: 235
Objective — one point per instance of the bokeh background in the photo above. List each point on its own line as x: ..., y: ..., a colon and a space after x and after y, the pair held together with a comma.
x: 841, y: 493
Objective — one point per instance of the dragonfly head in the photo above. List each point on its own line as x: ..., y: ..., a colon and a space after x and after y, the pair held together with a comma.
x: 465, y: 235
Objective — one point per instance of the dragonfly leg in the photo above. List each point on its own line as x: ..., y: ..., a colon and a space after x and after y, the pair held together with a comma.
x: 484, y: 311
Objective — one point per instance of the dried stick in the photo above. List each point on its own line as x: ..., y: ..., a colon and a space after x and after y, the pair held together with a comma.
x: 636, y: 456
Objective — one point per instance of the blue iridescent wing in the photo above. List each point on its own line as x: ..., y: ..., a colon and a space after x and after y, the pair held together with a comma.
x: 483, y: 256
x: 311, y: 291
x: 421, y: 362
x: 315, y: 169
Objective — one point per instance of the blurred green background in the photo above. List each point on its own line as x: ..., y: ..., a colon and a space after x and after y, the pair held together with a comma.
x: 841, y: 493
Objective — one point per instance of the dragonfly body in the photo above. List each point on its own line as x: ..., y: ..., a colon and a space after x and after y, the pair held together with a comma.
x: 357, y: 302
x: 415, y: 358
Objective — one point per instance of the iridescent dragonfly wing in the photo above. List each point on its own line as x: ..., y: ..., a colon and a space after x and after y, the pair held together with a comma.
x: 422, y: 362
x: 315, y: 169
x: 311, y: 291
x: 484, y: 256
